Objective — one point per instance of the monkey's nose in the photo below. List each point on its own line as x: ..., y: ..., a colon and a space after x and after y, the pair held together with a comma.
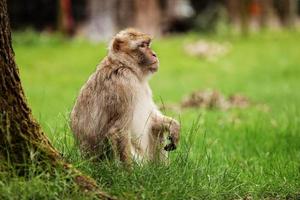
x: 153, y: 54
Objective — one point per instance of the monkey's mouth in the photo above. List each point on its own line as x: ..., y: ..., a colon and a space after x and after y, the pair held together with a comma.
x: 153, y: 67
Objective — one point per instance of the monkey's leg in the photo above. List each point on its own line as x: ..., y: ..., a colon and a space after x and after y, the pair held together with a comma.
x: 121, y: 146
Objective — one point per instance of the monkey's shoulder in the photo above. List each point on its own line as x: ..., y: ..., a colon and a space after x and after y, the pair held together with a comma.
x: 116, y: 73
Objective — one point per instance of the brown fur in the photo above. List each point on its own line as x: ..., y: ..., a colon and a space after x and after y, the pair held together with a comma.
x: 103, y: 113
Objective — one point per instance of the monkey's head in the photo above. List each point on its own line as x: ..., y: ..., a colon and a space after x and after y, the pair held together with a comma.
x: 132, y: 48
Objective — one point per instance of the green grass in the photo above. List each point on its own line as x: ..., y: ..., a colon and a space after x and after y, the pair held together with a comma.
x: 222, y: 155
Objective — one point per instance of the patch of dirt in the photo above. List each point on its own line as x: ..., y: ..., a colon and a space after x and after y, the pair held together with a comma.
x: 213, y: 99
x: 239, y: 101
x: 206, y: 49
x: 205, y: 99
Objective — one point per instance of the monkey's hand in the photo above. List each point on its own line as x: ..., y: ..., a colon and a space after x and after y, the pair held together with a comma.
x: 174, y: 130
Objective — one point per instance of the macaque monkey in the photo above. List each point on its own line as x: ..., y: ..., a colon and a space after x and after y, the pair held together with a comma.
x: 114, y: 111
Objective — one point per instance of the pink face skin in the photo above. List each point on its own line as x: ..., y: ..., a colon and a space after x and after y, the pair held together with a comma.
x: 150, y: 59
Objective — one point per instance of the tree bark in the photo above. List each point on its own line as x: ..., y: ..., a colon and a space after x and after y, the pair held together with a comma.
x: 269, y: 17
x: 148, y: 16
x: 65, y: 18
x: 125, y: 13
x: 239, y: 14
x: 233, y: 7
x: 101, y: 21
x: 289, y: 8
x: 21, y: 137
x: 106, y: 17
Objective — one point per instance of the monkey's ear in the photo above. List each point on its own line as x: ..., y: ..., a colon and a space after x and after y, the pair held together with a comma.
x: 117, y: 44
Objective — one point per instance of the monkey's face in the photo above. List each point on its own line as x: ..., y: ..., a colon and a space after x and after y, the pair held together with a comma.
x: 146, y: 58
x: 136, y: 46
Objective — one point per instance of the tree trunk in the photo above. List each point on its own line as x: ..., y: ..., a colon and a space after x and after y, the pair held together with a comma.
x: 239, y: 14
x: 65, y: 18
x: 125, y: 13
x: 21, y: 137
x: 269, y: 17
x: 106, y: 17
x: 233, y: 7
x: 255, y: 15
x: 289, y: 12
x: 101, y: 21
x: 148, y: 16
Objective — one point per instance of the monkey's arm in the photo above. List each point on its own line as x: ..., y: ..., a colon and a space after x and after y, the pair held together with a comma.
x: 161, y: 124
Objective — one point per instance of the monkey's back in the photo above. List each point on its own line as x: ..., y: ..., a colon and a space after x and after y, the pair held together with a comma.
x: 105, y: 99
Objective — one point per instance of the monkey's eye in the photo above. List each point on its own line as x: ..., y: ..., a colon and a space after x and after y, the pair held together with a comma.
x: 144, y: 45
